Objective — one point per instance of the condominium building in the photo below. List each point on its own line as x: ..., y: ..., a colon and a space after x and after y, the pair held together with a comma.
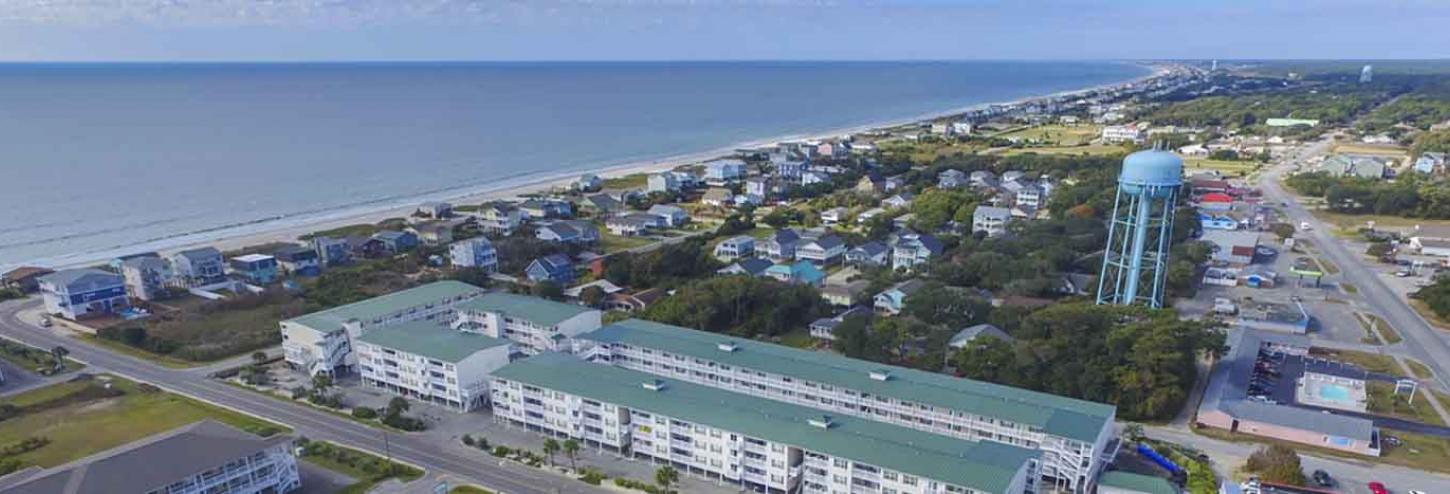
x: 322, y: 342
x: 1075, y: 437
x: 534, y: 324
x: 431, y: 362
x: 202, y: 458
x: 760, y: 444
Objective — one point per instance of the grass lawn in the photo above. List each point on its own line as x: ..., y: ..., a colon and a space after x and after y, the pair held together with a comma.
x: 1386, y: 332
x: 1419, y: 451
x: 1430, y: 315
x: 468, y: 489
x: 1088, y: 150
x: 118, y: 347
x: 1228, y: 168
x: 631, y: 181
x: 1056, y: 135
x: 1353, y: 222
x: 1373, y: 362
x: 1420, y: 370
x: 1382, y: 400
x: 611, y: 243
x: 926, y: 151
x: 356, y: 464
x: 799, y: 338
x: 31, y: 358
x: 86, y: 426
x: 1381, y: 150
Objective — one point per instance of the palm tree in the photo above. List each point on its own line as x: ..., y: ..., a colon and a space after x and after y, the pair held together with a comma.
x: 321, y: 382
x: 571, y: 450
x: 666, y: 476
x: 59, y: 353
x: 550, y: 447
x: 397, y: 406
x: 259, y: 357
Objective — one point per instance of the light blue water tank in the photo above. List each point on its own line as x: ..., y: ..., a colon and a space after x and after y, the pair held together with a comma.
x: 1151, y: 168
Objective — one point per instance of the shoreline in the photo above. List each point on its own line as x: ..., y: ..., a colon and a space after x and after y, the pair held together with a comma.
x: 290, y: 228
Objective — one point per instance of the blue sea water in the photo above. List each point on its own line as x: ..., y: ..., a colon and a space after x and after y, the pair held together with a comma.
x: 97, y: 157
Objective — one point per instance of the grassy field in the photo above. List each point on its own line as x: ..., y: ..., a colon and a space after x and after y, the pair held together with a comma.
x: 1386, y: 332
x: 1418, y: 451
x: 1430, y: 315
x: 631, y: 181
x: 611, y: 243
x: 1088, y: 150
x: 468, y: 489
x: 122, y: 348
x: 1374, y: 149
x: 928, y: 150
x: 799, y: 338
x: 1373, y: 362
x: 30, y: 358
x: 368, y: 468
x: 1353, y: 222
x: 1055, y: 135
x: 82, y: 417
x: 1382, y: 401
x: 1228, y: 168
x: 1420, y: 370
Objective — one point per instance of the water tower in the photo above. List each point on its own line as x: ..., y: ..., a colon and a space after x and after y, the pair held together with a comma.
x: 1141, y: 229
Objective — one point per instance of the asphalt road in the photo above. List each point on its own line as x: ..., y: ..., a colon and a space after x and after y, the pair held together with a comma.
x: 1423, y: 342
x: 481, y: 469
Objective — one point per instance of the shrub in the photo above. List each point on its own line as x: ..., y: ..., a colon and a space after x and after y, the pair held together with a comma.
x: 501, y: 451
x: 369, y: 413
x: 467, y: 440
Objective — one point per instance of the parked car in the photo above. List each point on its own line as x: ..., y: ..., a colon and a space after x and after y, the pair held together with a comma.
x: 1377, y: 488
x: 1322, y: 478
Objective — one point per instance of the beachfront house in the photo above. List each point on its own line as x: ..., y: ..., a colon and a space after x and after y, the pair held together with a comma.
x: 434, y: 210
x: 391, y: 242
x: 79, y: 293
x: 663, y: 182
x: 500, y: 218
x: 587, y: 182
x: 331, y: 251
x: 298, y: 260
x: 723, y: 171
x: 146, y: 277
x: 546, y: 209
x: 198, y: 267
x: 255, y: 268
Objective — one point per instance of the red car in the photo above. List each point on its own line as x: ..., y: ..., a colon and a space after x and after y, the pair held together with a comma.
x: 1378, y: 488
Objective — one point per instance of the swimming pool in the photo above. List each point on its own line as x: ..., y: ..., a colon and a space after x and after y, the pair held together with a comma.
x: 1334, y: 392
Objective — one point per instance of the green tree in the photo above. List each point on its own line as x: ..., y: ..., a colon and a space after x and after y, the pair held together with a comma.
x: 592, y: 296
x: 940, y: 305
x: 1283, y: 230
x: 1277, y: 463
x: 571, y: 451
x: 666, y: 476
x: 321, y: 383
x: 548, y: 290
x: 551, y: 446
x: 397, y: 406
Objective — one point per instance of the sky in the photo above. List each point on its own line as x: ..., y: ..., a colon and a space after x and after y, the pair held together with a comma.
x: 350, y: 30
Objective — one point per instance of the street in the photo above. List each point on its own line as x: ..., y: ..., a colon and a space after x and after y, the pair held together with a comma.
x: 481, y: 469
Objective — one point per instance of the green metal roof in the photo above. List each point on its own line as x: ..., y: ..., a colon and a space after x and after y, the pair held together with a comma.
x: 1138, y: 483
x: 431, y: 340
x: 983, y: 465
x: 1057, y: 415
x: 332, y: 319
x: 536, y: 310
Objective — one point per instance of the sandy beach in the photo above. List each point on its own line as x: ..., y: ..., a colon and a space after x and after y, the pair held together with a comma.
x: 288, y: 230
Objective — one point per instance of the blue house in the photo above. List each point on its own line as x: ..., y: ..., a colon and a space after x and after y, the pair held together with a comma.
x: 555, y: 268
x: 256, y: 268
x: 800, y: 272
x: 78, y: 293
x: 393, y: 241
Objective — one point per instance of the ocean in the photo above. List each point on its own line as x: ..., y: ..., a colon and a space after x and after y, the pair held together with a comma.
x: 101, y: 158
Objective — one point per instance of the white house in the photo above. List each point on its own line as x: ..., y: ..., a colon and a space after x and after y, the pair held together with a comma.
x: 780, y: 245
x: 824, y: 249
x: 475, y: 252
x: 718, y: 197
x: 671, y: 215
x: 734, y: 248
x: 78, y: 293
x: 198, y: 267
x: 992, y: 220
x: 724, y: 170
x: 834, y: 216
x: 951, y: 179
x: 500, y: 218
x: 662, y: 182
x: 146, y: 277
x: 630, y: 225
x: 913, y: 250
x: 1122, y: 133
